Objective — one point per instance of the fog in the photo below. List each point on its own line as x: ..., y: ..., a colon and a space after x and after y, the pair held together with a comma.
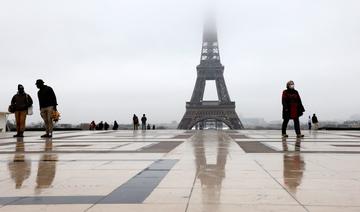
x: 107, y: 60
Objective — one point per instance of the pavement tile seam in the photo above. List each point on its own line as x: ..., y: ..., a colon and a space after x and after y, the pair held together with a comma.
x: 292, y: 196
x: 112, y: 198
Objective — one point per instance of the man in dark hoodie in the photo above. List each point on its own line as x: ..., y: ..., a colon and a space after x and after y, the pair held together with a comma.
x: 292, y: 108
x: 48, y: 103
x: 20, y: 103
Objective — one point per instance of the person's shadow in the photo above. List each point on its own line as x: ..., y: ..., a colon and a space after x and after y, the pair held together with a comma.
x: 47, y: 167
x: 294, y: 166
x: 19, y: 167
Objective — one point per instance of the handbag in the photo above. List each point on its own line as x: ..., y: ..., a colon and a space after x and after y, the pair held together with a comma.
x: 30, y: 110
x: 11, y: 109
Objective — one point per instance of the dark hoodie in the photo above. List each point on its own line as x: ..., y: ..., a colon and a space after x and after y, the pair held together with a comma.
x: 47, y: 97
x: 21, y: 101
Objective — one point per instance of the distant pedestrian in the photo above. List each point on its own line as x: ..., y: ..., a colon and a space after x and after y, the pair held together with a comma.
x: 135, y: 122
x: 292, y: 108
x: 315, y: 121
x: 92, y: 125
x: 143, y: 122
x: 153, y: 127
x: 20, y: 104
x: 48, y: 104
x: 100, y: 126
x: 106, y: 126
x: 309, y: 123
x: 148, y: 127
x: 116, y: 126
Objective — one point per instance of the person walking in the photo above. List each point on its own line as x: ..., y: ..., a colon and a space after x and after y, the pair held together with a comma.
x: 292, y: 108
x: 20, y: 104
x: 116, y: 126
x: 143, y: 122
x: 315, y: 121
x: 309, y: 123
x: 135, y: 122
x: 92, y: 125
x: 48, y: 104
x: 106, y: 126
x: 100, y: 126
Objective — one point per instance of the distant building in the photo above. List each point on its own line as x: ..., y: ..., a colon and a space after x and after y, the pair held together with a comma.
x: 352, y: 124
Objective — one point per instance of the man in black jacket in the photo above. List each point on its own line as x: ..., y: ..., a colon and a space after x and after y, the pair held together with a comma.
x: 48, y: 103
x: 315, y: 121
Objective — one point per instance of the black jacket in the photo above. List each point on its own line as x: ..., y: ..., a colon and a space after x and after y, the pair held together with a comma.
x: 315, y: 120
x: 47, y: 97
x: 21, y: 102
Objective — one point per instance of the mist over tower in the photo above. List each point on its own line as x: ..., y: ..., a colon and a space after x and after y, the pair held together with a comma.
x: 210, y: 68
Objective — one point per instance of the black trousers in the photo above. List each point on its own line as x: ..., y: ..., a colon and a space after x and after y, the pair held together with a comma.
x: 296, y: 125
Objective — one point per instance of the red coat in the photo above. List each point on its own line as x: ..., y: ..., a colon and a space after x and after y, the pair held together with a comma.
x: 292, y: 105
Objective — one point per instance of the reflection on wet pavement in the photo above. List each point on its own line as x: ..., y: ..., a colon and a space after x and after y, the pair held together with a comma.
x: 19, y: 167
x: 47, y: 167
x: 210, y: 168
x: 294, y: 165
x: 187, y: 171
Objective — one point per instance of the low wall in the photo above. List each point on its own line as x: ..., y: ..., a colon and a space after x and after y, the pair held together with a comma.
x: 3, y: 120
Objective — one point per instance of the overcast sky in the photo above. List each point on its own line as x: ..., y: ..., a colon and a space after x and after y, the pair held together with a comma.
x: 109, y: 59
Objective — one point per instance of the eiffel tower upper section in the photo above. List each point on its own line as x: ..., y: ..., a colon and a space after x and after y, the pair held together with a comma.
x: 210, y: 54
x: 210, y: 67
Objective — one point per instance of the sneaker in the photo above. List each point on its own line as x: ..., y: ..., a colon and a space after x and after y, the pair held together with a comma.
x: 16, y: 135
x: 45, y: 136
x: 285, y: 136
x: 299, y: 136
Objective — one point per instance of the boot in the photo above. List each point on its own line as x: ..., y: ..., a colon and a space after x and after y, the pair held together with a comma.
x: 45, y: 135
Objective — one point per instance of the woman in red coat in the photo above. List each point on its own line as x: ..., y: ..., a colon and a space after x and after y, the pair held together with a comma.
x: 292, y: 108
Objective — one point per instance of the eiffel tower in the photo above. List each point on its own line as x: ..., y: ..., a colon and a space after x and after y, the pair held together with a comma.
x: 210, y: 68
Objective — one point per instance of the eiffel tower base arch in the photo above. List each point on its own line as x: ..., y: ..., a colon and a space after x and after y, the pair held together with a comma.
x: 210, y: 111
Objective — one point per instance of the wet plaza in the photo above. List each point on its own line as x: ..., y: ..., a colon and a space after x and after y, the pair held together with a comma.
x: 178, y: 171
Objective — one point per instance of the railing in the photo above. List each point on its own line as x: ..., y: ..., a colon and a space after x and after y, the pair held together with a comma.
x: 210, y: 104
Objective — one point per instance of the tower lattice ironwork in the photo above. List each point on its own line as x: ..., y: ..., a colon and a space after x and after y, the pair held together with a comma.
x: 210, y: 68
